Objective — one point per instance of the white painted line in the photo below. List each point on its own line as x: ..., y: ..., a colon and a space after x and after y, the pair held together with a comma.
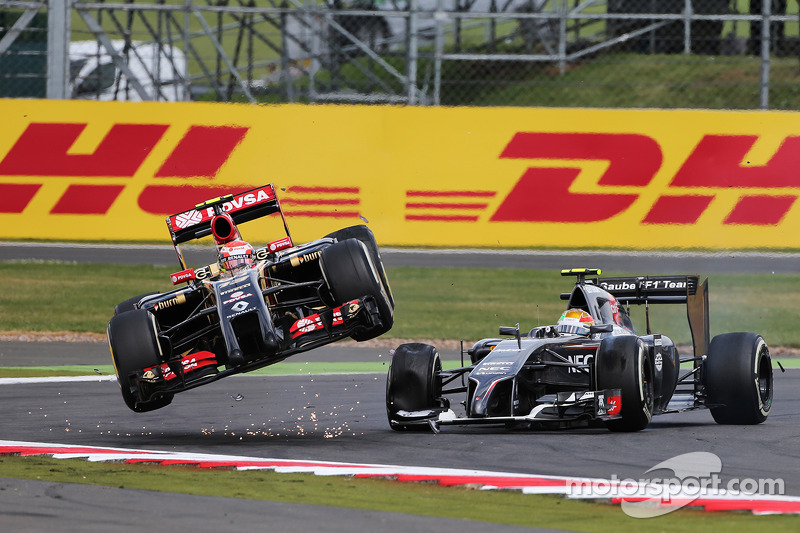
x: 54, y: 379
x: 485, y: 480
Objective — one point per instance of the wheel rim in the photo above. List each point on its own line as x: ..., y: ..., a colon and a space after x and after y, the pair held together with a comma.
x: 647, y: 384
x: 764, y: 376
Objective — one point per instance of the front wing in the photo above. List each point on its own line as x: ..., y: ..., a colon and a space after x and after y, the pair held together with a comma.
x: 562, y: 408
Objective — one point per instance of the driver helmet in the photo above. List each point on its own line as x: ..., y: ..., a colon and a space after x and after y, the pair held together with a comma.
x: 576, y: 321
x: 236, y: 255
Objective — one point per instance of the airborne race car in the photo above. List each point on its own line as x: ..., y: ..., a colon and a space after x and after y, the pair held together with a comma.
x: 596, y: 373
x: 255, y: 308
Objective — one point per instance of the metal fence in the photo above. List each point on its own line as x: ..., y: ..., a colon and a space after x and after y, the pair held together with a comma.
x: 716, y: 54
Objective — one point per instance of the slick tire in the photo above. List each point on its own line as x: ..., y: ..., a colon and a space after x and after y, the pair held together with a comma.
x: 624, y: 363
x: 133, y: 344
x: 737, y: 375
x: 413, y: 383
x: 365, y: 235
x: 350, y: 274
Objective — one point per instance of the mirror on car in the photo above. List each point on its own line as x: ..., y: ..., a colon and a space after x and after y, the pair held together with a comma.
x: 601, y: 328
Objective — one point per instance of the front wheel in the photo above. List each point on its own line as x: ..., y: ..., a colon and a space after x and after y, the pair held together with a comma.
x: 350, y: 274
x: 413, y: 384
x: 738, y: 379
x: 624, y: 363
x: 365, y: 235
x: 134, y: 347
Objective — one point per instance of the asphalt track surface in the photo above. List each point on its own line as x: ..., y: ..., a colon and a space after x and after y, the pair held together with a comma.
x: 341, y: 418
x: 644, y: 262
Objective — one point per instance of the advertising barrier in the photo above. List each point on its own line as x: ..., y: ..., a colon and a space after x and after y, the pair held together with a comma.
x: 465, y: 177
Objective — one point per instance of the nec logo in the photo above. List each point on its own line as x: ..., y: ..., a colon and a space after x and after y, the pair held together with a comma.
x: 44, y: 150
x: 763, y: 193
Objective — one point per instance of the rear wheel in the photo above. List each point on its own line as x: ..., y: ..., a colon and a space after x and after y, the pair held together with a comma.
x: 413, y: 384
x: 351, y: 274
x: 133, y: 343
x: 738, y: 379
x: 624, y: 363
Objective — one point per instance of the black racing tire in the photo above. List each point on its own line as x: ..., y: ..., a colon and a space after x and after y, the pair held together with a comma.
x: 737, y: 375
x: 133, y: 344
x: 350, y: 274
x: 624, y: 363
x: 130, y: 303
x: 365, y: 235
x: 413, y: 383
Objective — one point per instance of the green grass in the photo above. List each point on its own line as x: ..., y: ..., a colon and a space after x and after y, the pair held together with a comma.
x: 451, y: 303
x: 50, y: 296
x: 647, y: 81
x: 502, y: 507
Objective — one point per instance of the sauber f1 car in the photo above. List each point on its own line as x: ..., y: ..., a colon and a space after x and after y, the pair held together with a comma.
x: 252, y: 308
x: 591, y: 368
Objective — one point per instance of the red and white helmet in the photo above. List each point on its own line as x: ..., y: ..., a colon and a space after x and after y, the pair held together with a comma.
x: 236, y: 255
x: 575, y: 321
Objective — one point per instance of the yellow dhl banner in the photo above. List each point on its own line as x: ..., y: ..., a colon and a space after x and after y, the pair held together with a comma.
x: 507, y: 177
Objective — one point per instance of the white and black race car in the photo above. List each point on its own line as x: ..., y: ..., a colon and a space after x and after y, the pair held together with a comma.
x: 590, y: 368
x: 251, y: 308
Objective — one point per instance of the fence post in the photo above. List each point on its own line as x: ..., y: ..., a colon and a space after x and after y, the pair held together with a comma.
x: 413, y: 53
x: 766, y: 12
x: 439, y: 18
x: 58, y: 37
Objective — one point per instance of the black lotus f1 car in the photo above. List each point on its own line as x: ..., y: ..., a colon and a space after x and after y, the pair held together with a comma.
x: 600, y: 374
x: 275, y: 302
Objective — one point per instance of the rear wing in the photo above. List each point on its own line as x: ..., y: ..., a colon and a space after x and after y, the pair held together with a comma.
x: 668, y: 290
x: 650, y: 289
x: 243, y: 207
x: 646, y: 290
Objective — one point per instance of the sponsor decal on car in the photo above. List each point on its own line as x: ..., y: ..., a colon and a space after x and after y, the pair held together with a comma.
x: 297, y: 260
x: 579, y: 359
x: 237, y: 203
x: 607, y: 403
x: 188, y: 219
x: 614, y: 404
x: 235, y: 285
x: 171, y: 302
x: 189, y: 363
x: 341, y: 315
x: 207, y: 272
x: 183, y: 275
x: 280, y: 244
x: 239, y: 307
x: 235, y: 296
x: 306, y: 325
